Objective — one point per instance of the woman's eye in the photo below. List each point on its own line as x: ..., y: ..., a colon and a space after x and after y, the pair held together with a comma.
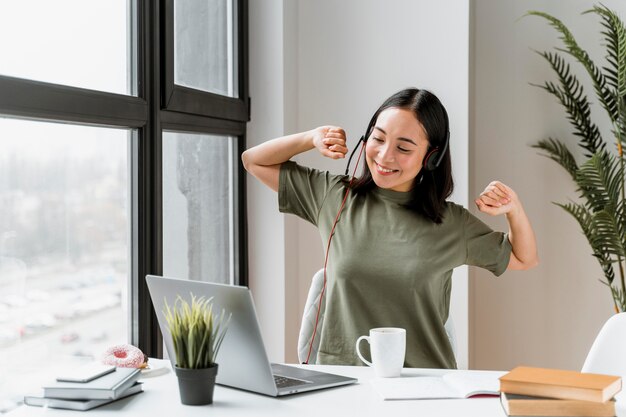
x: 377, y: 139
x: 402, y: 149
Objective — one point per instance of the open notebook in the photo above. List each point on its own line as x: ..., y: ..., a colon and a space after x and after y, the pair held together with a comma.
x: 461, y: 384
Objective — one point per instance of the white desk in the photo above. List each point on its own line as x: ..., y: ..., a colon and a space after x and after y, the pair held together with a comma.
x: 160, y: 398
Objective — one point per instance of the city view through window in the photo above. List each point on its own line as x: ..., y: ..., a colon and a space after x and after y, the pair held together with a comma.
x: 64, y: 249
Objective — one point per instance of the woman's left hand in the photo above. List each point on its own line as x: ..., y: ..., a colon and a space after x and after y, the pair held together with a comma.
x: 496, y: 199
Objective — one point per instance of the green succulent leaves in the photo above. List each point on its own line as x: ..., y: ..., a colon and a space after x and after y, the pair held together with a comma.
x: 197, y: 333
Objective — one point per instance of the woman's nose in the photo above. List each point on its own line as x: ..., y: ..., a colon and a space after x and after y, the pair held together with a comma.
x: 386, y: 153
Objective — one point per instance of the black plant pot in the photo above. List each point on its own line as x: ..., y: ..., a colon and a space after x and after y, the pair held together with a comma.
x: 196, y: 385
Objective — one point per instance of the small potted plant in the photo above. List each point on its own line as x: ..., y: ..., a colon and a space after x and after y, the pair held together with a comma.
x: 197, y: 334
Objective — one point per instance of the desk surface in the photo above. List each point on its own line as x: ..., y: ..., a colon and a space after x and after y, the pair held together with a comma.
x: 160, y: 397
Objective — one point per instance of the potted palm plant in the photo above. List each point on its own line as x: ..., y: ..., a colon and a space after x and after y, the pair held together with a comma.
x: 601, y: 209
x: 197, y: 334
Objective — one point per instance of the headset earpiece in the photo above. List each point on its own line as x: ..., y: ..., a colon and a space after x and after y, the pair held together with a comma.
x: 429, y: 163
x: 434, y: 156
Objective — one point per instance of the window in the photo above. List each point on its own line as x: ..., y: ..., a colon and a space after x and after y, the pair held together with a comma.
x: 205, y: 50
x: 198, y: 204
x: 97, y: 125
x: 69, y: 42
x: 64, y: 253
x: 205, y: 67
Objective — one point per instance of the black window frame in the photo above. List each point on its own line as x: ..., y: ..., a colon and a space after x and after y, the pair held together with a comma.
x: 189, y: 100
x: 150, y: 115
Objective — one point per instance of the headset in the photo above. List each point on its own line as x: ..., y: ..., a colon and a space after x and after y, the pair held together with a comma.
x: 431, y: 162
x: 435, y: 155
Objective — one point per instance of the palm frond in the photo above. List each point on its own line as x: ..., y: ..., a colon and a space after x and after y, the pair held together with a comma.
x: 558, y: 152
x: 581, y: 214
x: 620, y: 214
x: 619, y: 297
x: 615, y: 37
x: 572, y: 97
x: 600, y: 181
x: 585, y: 219
x: 604, y: 236
x: 605, y: 93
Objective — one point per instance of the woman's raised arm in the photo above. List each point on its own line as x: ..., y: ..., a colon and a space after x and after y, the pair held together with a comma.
x: 498, y: 198
x: 264, y: 160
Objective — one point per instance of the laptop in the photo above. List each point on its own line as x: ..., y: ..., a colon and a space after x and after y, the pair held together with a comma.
x: 242, y: 358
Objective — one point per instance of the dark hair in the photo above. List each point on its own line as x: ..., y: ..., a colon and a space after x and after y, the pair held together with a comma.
x: 429, y: 195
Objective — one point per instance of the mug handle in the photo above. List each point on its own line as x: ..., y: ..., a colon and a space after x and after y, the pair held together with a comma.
x: 358, y: 352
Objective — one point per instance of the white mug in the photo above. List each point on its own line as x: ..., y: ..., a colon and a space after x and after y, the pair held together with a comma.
x: 388, y: 347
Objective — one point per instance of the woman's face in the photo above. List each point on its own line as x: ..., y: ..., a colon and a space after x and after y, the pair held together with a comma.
x: 395, y: 149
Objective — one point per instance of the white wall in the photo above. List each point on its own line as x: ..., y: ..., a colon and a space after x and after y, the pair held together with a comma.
x: 548, y: 316
x: 331, y: 62
x: 266, y: 243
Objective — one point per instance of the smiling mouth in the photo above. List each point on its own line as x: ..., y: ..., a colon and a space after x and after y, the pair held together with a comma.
x: 384, y: 170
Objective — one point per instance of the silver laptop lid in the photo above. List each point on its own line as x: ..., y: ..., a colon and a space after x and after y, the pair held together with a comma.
x: 242, y: 359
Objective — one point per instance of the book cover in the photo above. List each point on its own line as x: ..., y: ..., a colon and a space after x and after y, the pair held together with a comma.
x: 107, y: 387
x: 39, y: 400
x: 557, y: 383
x: 524, y: 405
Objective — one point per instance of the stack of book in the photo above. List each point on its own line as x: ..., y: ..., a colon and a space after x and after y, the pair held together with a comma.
x: 88, y: 387
x: 527, y: 391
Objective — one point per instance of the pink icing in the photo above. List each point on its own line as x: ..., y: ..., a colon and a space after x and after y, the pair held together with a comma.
x: 123, y: 356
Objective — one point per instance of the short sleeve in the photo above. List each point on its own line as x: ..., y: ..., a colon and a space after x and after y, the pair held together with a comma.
x: 486, y: 248
x: 302, y: 190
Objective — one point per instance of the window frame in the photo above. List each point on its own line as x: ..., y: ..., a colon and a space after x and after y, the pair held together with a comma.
x: 147, y: 113
x: 189, y: 100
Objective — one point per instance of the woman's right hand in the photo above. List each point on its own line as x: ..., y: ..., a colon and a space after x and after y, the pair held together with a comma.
x: 264, y: 160
x: 330, y: 141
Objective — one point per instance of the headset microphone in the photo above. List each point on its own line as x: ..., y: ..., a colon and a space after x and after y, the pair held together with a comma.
x: 352, y: 154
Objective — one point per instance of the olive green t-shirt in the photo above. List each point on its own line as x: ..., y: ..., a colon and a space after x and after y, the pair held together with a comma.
x: 388, y: 266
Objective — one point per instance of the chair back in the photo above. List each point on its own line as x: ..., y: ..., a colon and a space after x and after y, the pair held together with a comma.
x: 308, y: 320
x: 608, y: 352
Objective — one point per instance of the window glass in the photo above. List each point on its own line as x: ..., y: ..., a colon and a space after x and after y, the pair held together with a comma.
x: 198, y: 228
x: 64, y: 252
x: 205, y: 42
x: 67, y: 42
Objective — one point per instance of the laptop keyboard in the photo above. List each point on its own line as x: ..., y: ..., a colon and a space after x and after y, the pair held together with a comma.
x: 286, y: 382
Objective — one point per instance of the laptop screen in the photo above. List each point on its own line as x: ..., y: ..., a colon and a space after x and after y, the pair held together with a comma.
x: 242, y: 358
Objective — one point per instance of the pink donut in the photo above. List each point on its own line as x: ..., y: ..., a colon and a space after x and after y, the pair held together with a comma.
x: 124, y: 356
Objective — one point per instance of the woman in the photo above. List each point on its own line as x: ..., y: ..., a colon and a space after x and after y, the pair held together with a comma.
x: 397, y: 239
